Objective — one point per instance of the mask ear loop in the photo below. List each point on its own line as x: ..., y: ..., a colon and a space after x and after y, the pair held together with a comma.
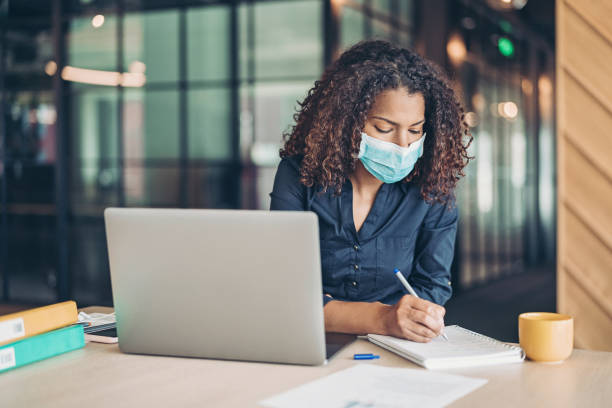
x: 420, y: 140
x: 361, y: 151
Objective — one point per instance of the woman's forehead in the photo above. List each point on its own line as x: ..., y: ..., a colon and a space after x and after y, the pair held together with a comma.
x: 399, y: 106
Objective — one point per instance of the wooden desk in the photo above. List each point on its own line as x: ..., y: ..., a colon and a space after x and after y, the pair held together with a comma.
x: 100, y: 375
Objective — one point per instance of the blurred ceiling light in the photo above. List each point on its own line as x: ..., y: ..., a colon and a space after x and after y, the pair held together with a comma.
x: 472, y: 120
x: 456, y: 49
x: 468, y: 23
x: 107, y: 78
x: 506, y: 5
x: 478, y: 101
x: 545, y: 96
x: 133, y: 79
x: 90, y: 76
x: 336, y: 7
x: 138, y: 67
x: 265, y: 154
x: 505, y: 26
x: 518, y: 4
x: 50, y: 68
x: 508, y: 110
x: 505, y: 47
x: 46, y: 114
x: 526, y: 86
x: 97, y: 21
x: 545, y: 84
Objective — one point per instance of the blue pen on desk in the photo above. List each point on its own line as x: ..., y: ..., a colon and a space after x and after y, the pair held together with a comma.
x: 398, y: 275
x: 366, y: 356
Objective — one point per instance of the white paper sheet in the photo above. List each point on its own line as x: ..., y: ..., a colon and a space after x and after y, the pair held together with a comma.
x: 374, y: 386
x: 97, y: 319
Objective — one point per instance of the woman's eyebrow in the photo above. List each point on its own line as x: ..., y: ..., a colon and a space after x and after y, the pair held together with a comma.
x: 396, y: 124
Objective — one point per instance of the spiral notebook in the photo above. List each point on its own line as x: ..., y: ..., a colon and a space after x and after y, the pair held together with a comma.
x: 464, y: 348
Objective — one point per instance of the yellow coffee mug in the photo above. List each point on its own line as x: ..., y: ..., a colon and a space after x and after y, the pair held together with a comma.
x: 546, y: 337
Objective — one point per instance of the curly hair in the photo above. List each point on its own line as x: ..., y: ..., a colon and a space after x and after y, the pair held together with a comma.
x: 330, y: 119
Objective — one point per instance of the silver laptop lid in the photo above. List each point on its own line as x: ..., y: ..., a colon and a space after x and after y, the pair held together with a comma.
x: 228, y: 284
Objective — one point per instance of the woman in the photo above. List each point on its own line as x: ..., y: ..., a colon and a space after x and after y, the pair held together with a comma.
x: 377, y: 149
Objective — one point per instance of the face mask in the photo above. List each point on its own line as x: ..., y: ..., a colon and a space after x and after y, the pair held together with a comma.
x: 387, y: 161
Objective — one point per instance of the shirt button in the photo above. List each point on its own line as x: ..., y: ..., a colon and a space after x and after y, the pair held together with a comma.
x: 354, y: 283
x: 356, y: 266
x: 355, y: 247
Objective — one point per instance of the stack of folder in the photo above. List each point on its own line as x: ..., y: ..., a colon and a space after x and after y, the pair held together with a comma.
x: 37, y: 334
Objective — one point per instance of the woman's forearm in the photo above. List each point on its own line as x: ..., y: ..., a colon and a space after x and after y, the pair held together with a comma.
x: 356, y: 317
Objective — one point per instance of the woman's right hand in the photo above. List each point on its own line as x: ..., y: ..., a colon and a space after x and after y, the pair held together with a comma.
x: 414, y: 319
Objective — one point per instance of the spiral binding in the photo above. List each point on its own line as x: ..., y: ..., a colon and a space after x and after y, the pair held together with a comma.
x: 490, y: 339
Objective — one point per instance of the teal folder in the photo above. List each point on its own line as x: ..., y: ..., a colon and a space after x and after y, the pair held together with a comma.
x: 42, y: 346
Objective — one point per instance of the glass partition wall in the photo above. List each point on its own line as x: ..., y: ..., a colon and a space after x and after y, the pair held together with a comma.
x: 504, y: 73
x: 28, y: 227
x: 165, y: 104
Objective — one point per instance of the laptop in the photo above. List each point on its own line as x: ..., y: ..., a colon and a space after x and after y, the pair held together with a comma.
x: 224, y: 284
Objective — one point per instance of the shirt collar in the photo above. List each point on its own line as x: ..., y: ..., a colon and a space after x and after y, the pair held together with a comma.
x: 404, y: 186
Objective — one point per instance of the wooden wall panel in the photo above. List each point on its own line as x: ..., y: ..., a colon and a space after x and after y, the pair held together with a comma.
x: 590, y: 258
x: 590, y: 329
x: 584, y: 160
x: 587, y: 56
x: 588, y: 192
x: 591, y: 134
x: 597, y: 12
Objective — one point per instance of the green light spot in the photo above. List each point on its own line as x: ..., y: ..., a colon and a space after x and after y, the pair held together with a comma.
x: 505, y: 26
x: 506, y: 47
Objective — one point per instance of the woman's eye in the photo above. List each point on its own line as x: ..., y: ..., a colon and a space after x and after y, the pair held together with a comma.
x: 382, y: 131
x: 416, y: 132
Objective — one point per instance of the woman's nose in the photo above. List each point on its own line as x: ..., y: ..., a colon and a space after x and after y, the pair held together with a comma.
x: 406, y: 138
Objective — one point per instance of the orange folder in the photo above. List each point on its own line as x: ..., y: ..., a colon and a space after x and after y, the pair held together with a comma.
x: 28, y: 323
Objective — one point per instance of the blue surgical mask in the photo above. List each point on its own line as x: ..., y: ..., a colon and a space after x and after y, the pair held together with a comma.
x: 387, y: 161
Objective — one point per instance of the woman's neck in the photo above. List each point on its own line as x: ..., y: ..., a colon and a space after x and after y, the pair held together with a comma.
x: 364, y: 183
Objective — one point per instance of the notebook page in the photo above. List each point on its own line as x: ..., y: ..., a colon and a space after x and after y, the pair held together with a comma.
x: 460, y: 344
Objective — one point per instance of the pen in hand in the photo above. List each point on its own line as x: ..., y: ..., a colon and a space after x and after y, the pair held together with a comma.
x: 404, y: 282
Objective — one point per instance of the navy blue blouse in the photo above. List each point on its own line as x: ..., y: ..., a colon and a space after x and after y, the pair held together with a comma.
x: 401, y: 231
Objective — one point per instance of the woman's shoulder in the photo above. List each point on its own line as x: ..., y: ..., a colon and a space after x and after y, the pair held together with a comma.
x: 294, y: 161
x: 442, y: 213
x: 288, y: 193
x: 290, y: 167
